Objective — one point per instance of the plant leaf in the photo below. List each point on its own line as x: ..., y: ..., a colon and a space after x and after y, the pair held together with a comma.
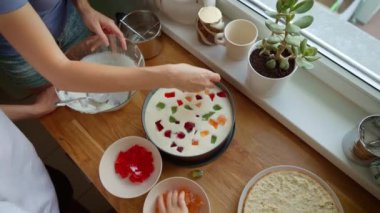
x: 292, y: 28
x: 310, y: 51
x: 295, y: 50
x: 288, y: 4
x: 271, y: 64
x: 303, y: 6
x: 275, y: 39
x: 284, y: 64
x: 294, y: 40
x: 272, y: 14
x: 304, y: 21
x: 276, y: 28
x: 303, y: 46
x: 303, y: 63
x: 279, y: 6
x: 312, y: 58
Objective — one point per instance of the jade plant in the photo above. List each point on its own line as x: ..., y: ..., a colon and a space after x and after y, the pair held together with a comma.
x: 285, y: 42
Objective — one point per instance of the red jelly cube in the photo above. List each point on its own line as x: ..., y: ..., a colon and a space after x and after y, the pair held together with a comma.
x: 169, y: 94
x: 173, y: 144
x: 180, y: 149
x: 168, y: 133
x: 222, y: 94
x: 212, y: 96
x: 181, y: 135
x: 179, y: 102
x: 159, y: 125
x: 198, y: 97
x: 189, y: 126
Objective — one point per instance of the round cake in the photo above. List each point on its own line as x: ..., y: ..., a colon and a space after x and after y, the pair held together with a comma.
x: 188, y: 124
x: 288, y: 191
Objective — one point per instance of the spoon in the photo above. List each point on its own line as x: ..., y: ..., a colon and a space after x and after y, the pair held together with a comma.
x: 91, y: 101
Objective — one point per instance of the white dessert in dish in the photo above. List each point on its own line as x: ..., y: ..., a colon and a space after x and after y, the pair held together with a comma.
x: 188, y: 124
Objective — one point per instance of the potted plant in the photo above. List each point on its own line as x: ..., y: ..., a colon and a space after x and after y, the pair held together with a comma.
x: 275, y: 58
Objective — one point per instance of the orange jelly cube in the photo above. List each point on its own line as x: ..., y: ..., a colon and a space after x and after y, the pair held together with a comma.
x: 204, y: 133
x: 195, y: 142
x: 213, y: 123
x: 189, y: 98
x: 221, y: 120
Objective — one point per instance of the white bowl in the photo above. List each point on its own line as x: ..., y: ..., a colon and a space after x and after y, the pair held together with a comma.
x: 124, y: 188
x: 174, y: 183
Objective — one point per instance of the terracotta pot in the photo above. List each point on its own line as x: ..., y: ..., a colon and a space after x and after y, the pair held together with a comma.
x: 261, y: 85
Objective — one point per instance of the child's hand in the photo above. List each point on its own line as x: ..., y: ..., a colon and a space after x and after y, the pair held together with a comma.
x: 174, y: 203
x: 191, y: 78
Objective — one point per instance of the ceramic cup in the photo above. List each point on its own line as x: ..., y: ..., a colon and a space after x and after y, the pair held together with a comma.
x: 209, y: 24
x: 238, y: 37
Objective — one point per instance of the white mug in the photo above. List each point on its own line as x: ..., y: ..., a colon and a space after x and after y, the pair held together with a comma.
x: 238, y: 36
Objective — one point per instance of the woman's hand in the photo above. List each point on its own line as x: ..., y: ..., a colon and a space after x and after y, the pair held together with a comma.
x: 174, y: 203
x: 99, y: 23
x: 45, y: 102
x: 191, y: 78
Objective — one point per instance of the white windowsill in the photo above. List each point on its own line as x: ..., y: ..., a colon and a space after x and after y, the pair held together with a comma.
x: 308, y: 107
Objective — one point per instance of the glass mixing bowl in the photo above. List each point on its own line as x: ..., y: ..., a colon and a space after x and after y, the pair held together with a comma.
x: 92, y: 103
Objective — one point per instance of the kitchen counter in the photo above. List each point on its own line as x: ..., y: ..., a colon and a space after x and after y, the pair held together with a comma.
x: 260, y: 142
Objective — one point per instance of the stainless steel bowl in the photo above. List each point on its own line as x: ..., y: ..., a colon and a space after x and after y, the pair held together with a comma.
x: 203, y: 158
x: 113, y: 101
x: 143, y: 28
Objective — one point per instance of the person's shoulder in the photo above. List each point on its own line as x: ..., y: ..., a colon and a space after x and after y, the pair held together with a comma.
x: 7, y: 6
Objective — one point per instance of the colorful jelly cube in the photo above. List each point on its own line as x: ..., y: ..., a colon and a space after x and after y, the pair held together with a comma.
x: 189, y: 126
x: 180, y: 148
x: 160, y: 105
x: 169, y: 94
x: 204, y: 133
x: 195, y: 142
x: 159, y: 125
x: 212, y: 96
x: 221, y: 120
x: 213, y: 139
x: 174, y: 109
x: 221, y: 94
x: 181, y: 135
x: 188, y: 107
x: 189, y: 98
x: 206, y: 116
x: 213, y: 123
x: 217, y: 107
x: 168, y: 133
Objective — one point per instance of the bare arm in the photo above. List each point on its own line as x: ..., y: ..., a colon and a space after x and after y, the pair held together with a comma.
x: 34, y: 42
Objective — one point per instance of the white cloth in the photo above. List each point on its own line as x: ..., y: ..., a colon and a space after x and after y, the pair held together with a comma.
x: 25, y: 185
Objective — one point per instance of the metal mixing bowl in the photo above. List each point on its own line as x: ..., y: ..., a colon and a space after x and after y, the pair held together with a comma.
x: 143, y: 28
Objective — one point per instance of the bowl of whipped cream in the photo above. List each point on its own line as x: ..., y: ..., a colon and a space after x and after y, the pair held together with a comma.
x: 115, y: 55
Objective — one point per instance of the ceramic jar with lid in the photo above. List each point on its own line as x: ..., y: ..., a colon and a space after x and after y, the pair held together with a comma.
x: 209, y: 24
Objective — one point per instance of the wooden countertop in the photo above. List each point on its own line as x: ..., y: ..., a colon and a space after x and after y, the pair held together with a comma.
x: 260, y: 142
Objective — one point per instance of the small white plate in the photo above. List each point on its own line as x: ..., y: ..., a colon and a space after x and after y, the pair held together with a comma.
x: 123, y: 188
x: 174, y: 183
x: 266, y: 171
